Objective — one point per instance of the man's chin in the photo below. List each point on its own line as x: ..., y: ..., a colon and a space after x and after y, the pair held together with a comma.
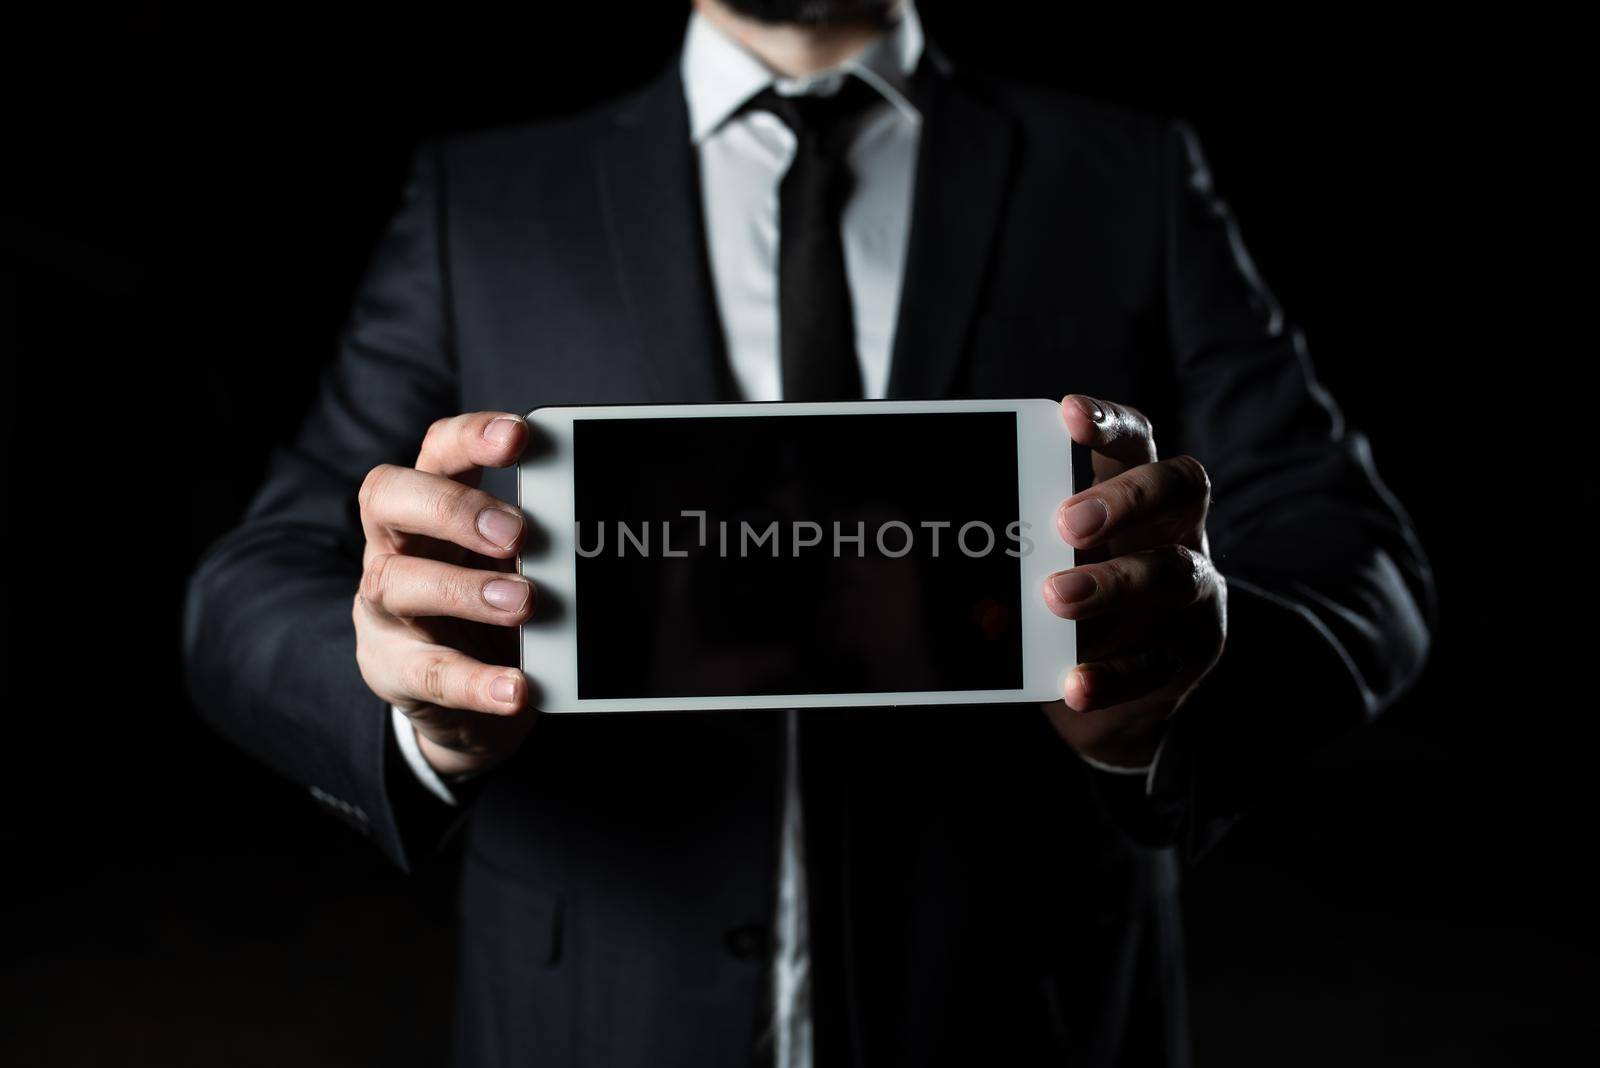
x: 814, y: 12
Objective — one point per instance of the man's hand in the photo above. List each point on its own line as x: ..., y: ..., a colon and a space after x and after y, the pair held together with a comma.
x: 1153, y: 608
x: 439, y: 600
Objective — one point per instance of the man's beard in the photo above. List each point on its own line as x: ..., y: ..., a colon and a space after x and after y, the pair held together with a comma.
x: 815, y: 12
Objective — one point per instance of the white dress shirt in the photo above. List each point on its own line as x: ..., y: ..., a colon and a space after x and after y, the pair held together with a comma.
x: 743, y: 158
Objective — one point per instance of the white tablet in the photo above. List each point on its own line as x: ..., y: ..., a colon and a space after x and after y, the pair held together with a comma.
x: 716, y: 556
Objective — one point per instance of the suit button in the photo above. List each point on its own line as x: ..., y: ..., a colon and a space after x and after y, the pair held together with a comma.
x: 746, y: 941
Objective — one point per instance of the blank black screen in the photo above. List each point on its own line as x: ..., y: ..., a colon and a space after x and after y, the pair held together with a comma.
x: 742, y: 614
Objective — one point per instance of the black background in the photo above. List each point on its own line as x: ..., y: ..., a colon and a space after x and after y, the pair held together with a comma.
x: 194, y: 202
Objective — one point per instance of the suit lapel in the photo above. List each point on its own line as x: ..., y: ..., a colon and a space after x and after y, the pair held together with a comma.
x: 963, y: 172
x: 648, y: 180
x: 649, y: 184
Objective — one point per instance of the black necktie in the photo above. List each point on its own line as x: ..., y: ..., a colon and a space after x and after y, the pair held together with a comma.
x: 817, y: 353
x: 816, y: 326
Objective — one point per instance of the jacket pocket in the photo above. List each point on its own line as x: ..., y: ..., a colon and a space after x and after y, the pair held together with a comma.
x: 520, y: 919
x: 515, y: 1001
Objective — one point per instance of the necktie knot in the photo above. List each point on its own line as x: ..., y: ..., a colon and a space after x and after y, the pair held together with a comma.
x: 819, y: 123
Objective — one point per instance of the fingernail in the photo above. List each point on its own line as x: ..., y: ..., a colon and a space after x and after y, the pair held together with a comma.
x: 508, y: 594
x: 1079, y: 680
x: 1086, y: 517
x: 504, y: 689
x: 499, y: 526
x: 1074, y: 586
x: 499, y: 431
x: 1088, y: 407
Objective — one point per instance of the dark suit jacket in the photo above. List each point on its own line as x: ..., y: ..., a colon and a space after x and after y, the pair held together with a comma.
x: 980, y: 896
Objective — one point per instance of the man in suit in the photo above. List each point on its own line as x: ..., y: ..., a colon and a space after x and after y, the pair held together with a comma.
x: 813, y: 204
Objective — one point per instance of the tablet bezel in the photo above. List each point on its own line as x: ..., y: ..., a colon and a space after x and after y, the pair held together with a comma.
x: 548, y: 642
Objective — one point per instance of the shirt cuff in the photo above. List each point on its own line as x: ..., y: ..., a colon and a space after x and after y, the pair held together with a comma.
x: 1147, y: 770
x: 406, y: 735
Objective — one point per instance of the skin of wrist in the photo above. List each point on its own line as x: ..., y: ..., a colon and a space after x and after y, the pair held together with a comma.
x: 447, y: 762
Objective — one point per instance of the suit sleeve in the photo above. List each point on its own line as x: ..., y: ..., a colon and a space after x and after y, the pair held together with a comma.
x: 268, y: 634
x: 1331, y: 600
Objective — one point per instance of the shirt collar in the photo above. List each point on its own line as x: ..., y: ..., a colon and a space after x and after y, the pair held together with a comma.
x: 719, y: 75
